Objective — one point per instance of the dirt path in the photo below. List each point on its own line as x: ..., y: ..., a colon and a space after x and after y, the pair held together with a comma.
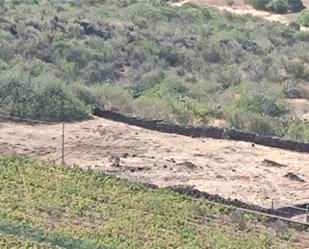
x: 254, y: 174
x: 240, y: 8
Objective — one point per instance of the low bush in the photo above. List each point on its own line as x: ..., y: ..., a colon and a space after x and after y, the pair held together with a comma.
x: 49, y: 101
x: 112, y: 97
x: 254, y: 123
x: 277, y: 6
x: 298, y: 130
x: 260, y: 104
x: 258, y: 4
x: 295, y: 5
x: 303, y: 19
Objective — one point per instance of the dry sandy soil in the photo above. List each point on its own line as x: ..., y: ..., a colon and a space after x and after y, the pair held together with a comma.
x: 239, y: 7
x: 253, y: 174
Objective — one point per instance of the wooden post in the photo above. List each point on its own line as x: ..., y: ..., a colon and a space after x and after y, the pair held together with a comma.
x: 62, y: 118
x: 62, y: 155
x: 307, y: 213
x: 272, y: 205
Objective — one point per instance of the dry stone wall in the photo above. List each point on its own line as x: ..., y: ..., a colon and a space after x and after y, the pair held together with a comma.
x: 205, y: 131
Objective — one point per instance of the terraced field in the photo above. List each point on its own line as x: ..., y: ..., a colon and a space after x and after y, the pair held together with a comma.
x: 251, y: 173
x: 48, y: 206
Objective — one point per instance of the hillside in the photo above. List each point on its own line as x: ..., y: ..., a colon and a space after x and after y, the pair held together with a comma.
x: 192, y: 65
x: 48, y: 206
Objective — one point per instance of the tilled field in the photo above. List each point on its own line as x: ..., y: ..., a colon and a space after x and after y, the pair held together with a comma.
x: 251, y: 173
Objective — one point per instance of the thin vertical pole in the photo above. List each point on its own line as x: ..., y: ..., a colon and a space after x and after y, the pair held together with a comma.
x: 272, y: 205
x: 307, y: 213
x: 62, y: 118
x: 62, y: 156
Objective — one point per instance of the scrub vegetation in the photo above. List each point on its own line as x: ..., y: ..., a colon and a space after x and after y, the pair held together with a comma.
x: 48, y: 206
x: 190, y: 65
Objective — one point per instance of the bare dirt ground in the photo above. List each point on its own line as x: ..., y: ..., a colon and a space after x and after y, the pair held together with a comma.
x: 251, y: 173
x: 239, y: 7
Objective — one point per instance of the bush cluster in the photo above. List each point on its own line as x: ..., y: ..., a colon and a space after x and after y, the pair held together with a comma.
x: 277, y: 6
x: 303, y: 19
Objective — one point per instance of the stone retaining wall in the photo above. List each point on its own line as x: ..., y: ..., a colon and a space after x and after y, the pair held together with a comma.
x: 205, y: 131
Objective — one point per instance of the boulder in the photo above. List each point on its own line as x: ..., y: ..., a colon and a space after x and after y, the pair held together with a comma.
x: 253, y: 47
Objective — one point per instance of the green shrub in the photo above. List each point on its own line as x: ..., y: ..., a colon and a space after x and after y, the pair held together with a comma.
x: 303, y: 19
x: 295, y: 5
x: 298, y: 130
x: 83, y: 93
x: 175, y: 111
x: 256, y: 112
x: 55, y: 102
x: 47, y: 101
x: 258, y: 4
x: 294, y: 25
x: 260, y: 104
x: 112, y: 97
x: 296, y: 68
x: 17, y: 98
x: 278, y: 6
x: 254, y: 123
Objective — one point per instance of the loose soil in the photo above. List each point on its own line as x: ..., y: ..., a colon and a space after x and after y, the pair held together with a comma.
x: 231, y: 169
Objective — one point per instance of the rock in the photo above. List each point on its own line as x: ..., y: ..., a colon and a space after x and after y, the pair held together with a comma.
x: 181, y: 72
x: 14, y: 31
x: 172, y: 160
x: 188, y: 41
x: 253, y: 47
x: 293, y: 93
x: 188, y: 164
x: 130, y: 37
x: 273, y: 163
x: 115, y: 160
x: 293, y: 177
x: 139, y: 168
x: 54, y: 20
x: 224, y: 42
x: 131, y: 27
x: 102, y: 30
x: 125, y: 155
